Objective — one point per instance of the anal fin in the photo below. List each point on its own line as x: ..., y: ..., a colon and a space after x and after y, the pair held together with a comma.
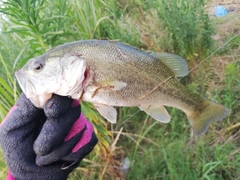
x: 157, y: 112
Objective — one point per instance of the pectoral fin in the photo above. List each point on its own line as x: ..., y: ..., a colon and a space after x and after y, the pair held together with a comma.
x: 157, y: 112
x: 113, y: 85
x: 105, y: 86
x: 108, y: 112
x: 176, y: 63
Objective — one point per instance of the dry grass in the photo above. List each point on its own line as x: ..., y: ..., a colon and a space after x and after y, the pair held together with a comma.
x: 227, y: 25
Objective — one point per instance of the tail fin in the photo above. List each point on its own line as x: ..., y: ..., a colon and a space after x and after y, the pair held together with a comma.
x: 212, y: 112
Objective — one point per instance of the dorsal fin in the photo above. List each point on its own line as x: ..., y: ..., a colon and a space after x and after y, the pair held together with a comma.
x: 176, y: 63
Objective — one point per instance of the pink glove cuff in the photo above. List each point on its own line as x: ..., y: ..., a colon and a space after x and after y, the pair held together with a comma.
x: 11, y: 110
x: 9, y: 176
x: 77, y: 127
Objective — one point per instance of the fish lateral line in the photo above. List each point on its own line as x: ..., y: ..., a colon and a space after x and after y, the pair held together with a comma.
x: 151, y: 91
x: 122, y: 54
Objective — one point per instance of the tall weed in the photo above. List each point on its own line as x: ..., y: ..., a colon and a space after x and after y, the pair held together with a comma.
x: 188, y: 27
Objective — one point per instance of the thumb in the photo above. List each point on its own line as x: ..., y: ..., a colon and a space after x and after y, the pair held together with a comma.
x: 24, y: 113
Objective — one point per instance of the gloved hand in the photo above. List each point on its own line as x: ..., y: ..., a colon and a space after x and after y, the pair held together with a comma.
x: 45, y: 144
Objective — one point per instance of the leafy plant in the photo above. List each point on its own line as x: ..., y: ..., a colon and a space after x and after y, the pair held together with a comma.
x: 8, y: 91
x: 187, y: 25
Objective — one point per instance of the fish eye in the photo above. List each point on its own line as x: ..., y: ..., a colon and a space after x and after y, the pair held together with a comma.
x: 38, y: 67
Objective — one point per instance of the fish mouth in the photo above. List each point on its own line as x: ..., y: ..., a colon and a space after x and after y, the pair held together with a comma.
x: 25, y: 83
x: 21, y: 80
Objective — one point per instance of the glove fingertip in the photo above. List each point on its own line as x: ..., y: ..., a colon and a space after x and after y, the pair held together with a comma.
x: 57, y: 105
x: 38, y: 150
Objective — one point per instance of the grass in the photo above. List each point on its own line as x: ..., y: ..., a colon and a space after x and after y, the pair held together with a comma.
x: 155, y: 150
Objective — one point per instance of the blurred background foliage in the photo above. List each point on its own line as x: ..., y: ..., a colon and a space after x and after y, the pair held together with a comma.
x: 155, y: 151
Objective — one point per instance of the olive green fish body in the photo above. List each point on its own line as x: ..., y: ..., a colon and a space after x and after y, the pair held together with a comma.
x: 120, y: 75
x: 141, y: 71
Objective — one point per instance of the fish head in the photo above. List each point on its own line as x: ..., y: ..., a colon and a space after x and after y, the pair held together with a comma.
x: 45, y: 75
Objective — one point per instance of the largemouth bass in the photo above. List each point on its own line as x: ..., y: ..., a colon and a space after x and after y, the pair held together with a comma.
x: 109, y: 73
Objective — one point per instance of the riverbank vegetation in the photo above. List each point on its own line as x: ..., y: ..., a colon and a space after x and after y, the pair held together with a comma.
x: 151, y: 149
